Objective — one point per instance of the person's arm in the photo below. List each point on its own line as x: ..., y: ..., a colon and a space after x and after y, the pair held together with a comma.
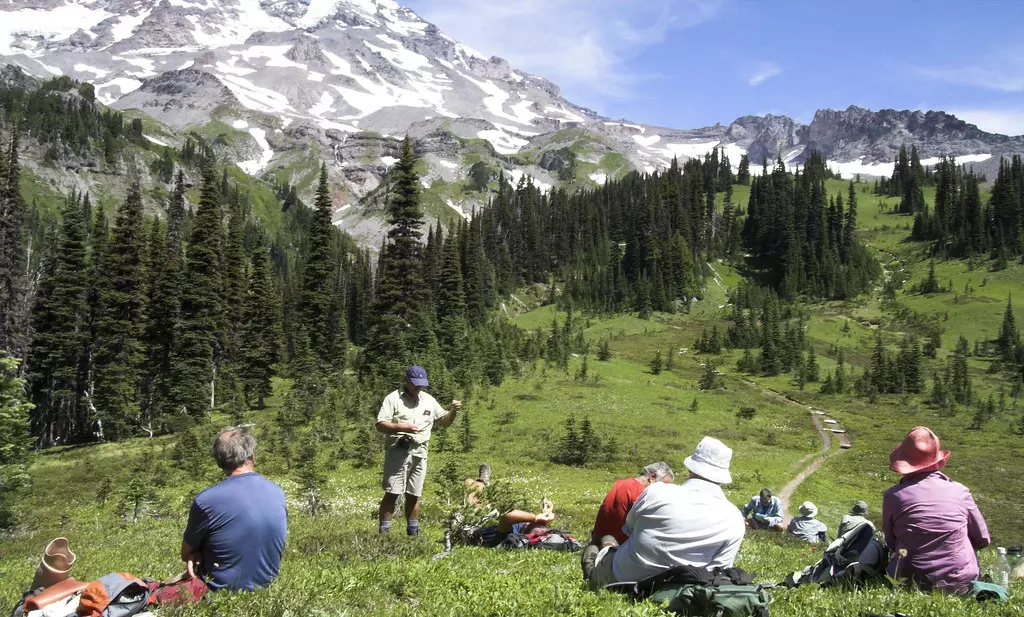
x: 387, y: 425
x: 888, y: 517
x: 725, y: 556
x: 634, y: 511
x: 747, y: 508
x: 194, y: 535
x: 444, y: 417
x: 774, y: 514
x: 977, y: 530
x: 512, y: 517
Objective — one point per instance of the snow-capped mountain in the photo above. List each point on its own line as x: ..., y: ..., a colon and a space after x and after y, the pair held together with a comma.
x: 294, y: 82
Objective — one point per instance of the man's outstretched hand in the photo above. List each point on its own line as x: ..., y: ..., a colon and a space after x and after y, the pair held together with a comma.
x: 456, y: 405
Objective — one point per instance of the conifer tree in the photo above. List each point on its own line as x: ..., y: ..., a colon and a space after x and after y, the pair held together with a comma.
x: 164, y: 308
x: 13, y: 317
x: 61, y: 324
x: 453, y: 331
x: 120, y: 352
x: 1009, y: 338
x: 399, y: 302
x: 656, y: 364
x: 14, y: 434
x: 261, y: 340
x: 709, y: 378
x: 319, y: 317
x: 467, y: 438
x: 198, y: 333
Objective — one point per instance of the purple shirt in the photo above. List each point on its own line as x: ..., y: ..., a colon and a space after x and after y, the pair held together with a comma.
x: 937, y: 523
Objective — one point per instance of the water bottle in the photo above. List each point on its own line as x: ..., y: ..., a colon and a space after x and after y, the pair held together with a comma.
x: 1001, y: 568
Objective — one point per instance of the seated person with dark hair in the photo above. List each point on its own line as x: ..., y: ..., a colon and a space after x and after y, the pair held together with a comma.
x: 767, y: 511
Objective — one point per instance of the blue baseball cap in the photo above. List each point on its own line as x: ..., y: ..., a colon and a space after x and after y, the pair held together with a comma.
x: 417, y: 376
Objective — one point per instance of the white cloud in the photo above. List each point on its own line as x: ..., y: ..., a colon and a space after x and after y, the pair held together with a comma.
x: 1002, y: 71
x: 764, y: 71
x: 1004, y: 121
x: 584, y: 46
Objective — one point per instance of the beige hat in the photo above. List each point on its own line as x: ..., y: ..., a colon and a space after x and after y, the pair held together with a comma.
x: 56, y: 564
x: 711, y: 461
x: 808, y: 509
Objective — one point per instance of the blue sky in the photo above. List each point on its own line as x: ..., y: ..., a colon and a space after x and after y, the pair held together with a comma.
x: 691, y: 63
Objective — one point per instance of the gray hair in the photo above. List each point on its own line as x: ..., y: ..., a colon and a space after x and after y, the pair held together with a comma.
x: 659, y: 470
x: 232, y: 447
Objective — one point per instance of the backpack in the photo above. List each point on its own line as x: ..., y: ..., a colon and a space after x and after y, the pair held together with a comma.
x: 114, y: 595
x: 691, y: 591
x: 853, y: 558
x: 547, y: 539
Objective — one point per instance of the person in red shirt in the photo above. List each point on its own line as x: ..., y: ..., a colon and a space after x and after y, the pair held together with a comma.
x: 611, y: 516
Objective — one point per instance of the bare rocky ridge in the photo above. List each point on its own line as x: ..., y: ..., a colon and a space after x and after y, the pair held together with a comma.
x: 340, y: 81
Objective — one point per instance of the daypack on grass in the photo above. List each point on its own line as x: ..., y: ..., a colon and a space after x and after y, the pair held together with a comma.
x: 114, y: 595
x: 548, y: 539
x: 692, y: 591
x: 853, y: 558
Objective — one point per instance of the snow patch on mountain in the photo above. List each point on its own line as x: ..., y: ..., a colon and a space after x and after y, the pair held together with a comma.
x: 599, y: 178
x: 254, y: 167
x: 850, y: 169
x: 502, y: 141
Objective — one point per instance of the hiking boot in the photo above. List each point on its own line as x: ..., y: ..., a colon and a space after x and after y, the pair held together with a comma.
x: 412, y: 531
x: 485, y: 474
x: 589, y: 560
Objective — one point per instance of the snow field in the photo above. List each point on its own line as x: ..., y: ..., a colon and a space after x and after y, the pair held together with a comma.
x: 253, y: 167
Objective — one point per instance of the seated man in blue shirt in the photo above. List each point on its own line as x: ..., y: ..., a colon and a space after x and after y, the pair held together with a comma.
x: 236, y: 529
x: 767, y: 512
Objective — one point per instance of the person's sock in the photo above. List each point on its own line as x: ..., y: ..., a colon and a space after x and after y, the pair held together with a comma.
x: 385, y: 527
x: 412, y: 528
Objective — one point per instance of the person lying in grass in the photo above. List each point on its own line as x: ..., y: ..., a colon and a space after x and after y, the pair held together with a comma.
x: 516, y: 521
x: 671, y: 524
x: 767, y: 511
x: 930, y: 522
x: 611, y: 516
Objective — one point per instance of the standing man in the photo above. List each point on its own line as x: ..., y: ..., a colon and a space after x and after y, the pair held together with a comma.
x: 406, y: 417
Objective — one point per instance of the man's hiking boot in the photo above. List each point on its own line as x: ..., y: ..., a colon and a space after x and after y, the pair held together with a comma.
x: 589, y: 560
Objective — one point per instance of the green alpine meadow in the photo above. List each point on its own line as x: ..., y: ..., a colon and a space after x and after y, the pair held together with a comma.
x: 307, y: 309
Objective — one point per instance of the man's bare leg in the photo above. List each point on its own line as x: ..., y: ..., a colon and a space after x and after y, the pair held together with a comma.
x: 412, y: 514
x: 386, y: 512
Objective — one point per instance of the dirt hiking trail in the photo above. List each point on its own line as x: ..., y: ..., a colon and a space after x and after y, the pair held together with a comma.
x: 818, y: 416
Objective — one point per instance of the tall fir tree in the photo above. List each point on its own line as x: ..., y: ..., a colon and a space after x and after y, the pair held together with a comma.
x: 61, y: 324
x: 119, y: 348
x: 164, y: 310
x: 261, y: 341
x: 13, y: 279
x: 320, y: 318
x: 198, y: 332
x: 397, y: 323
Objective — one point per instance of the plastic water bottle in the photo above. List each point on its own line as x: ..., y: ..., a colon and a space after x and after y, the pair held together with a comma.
x: 1001, y: 568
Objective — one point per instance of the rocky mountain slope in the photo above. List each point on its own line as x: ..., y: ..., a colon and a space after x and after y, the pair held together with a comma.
x: 290, y: 83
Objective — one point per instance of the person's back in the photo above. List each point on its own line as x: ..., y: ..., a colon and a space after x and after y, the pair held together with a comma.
x: 240, y: 527
x: 807, y: 529
x: 669, y: 525
x: 938, y: 525
x: 611, y: 516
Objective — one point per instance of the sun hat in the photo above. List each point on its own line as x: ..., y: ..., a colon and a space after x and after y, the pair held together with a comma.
x: 860, y: 508
x: 918, y: 452
x: 417, y: 376
x: 710, y: 460
x: 808, y: 509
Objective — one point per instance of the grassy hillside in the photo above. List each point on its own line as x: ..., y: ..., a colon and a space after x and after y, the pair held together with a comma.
x: 335, y: 564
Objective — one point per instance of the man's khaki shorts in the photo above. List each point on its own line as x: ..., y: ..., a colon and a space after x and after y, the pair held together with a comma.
x: 403, y: 473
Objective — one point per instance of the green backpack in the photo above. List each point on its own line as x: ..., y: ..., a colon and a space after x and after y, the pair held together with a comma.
x: 695, y: 592
x: 713, y: 600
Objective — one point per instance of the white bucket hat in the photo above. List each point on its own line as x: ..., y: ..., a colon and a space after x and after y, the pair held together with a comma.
x: 711, y: 460
x: 808, y: 509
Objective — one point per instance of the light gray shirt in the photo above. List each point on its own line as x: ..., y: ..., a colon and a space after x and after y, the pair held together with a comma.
x: 671, y: 525
x: 807, y: 529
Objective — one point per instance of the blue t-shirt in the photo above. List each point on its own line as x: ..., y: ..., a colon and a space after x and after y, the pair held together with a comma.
x: 239, y: 526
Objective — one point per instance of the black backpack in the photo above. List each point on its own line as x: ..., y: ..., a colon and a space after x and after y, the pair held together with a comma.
x: 692, y: 591
x: 548, y: 539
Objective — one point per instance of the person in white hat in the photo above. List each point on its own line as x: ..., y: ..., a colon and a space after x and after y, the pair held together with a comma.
x: 672, y: 524
x: 807, y: 528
